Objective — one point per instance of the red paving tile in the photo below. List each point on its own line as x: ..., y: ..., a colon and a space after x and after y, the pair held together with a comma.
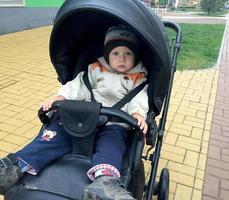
x: 216, y: 182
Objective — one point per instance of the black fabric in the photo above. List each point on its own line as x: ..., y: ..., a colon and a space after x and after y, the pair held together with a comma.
x: 88, y: 85
x: 79, y: 118
x: 129, y: 96
x: 43, y: 117
x: 74, y: 31
x: 66, y: 179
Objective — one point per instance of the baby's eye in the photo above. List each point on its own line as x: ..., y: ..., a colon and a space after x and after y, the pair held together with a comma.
x: 115, y: 53
x: 129, y: 53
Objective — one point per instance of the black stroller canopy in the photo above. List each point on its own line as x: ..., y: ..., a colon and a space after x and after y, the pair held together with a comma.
x: 78, y: 36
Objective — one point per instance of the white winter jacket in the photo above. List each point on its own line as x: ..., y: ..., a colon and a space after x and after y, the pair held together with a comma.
x: 109, y: 87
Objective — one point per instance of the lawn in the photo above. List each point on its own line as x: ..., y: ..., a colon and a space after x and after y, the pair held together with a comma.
x: 200, y: 45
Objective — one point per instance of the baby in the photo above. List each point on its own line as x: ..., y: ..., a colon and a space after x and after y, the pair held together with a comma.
x: 111, y: 78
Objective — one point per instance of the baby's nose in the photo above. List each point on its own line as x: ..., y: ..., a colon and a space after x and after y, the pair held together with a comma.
x: 122, y: 57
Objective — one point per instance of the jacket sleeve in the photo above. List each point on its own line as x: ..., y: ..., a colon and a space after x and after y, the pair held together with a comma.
x: 139, y: 104
x: 75, y: 89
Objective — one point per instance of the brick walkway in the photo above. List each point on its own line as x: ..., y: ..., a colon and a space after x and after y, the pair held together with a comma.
x: 27, y: 78
x: 216, y: 184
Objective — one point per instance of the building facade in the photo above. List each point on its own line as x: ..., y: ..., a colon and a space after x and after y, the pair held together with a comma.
x: 186, y: 3
x: 31, y: 3
x: 18, y: 15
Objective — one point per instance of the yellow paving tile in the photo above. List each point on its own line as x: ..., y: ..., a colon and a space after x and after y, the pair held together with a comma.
x: 14, y: 139
x: 3, y: 134
x: 15, y: 122
x: 171, y: 196
x: 202, y: 161
x: 184, y: 169
x: 206, y: 136
x: 200, y: 174
x: 179, y: 118
x: 8, y: 147
x: 172, y: 187
x: 189, y: 140
x: 182, y: 178
x: 179, y: 130
x: 198, y: 184
x: 171, y: 138
x: 172, y: 156
x: 197, y: 133
x: 183, y: 193
x: 187, y: 145
x: 174, y: 149
x: 7, y: 128
x: 197, y: 195
x: 191, y: 158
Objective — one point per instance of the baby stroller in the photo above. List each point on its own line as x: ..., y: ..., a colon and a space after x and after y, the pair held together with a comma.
x: 77, y: 40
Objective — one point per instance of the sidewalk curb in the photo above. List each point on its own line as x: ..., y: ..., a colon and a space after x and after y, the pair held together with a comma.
x: 218, y: 62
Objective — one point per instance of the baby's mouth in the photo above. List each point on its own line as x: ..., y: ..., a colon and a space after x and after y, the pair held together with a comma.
x: 122, y: 66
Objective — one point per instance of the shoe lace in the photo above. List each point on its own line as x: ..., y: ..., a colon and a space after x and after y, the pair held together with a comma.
x: 2, y: 164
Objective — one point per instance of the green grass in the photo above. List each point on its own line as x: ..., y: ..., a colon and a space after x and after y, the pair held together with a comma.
x: 200, y: 45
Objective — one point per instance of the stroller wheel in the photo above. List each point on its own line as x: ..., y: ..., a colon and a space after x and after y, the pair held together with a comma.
x: 137, y: 182
x: 163, y: 185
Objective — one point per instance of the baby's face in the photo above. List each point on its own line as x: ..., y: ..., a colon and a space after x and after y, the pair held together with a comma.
x: 121, y: 59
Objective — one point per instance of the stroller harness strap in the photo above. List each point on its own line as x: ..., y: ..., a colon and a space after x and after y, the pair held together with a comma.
x: 88, y: 85
x: 124, y: 100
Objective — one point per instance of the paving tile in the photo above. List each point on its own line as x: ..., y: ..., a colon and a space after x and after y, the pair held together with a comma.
x: 171, y: 138
x: 211, y: 189
x: 215, y: 171
x: 184, y: 169
x: 191, y: 158
x: 198, y: 184
x: 220, y: 164
x: 172, y: 156
x: 183, y: 192
x: 197, y: 133
x: 225, y: 184
x: 182, y: 178
x: 214, y: 152
x: 204, y: 197
x: 197, y: 195
x: 224, y: 194
x: 202, y: 161
x: 200, y: 174
x: 187, y: 145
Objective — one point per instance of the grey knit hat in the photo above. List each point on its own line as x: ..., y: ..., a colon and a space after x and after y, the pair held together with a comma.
x: 121, y: 35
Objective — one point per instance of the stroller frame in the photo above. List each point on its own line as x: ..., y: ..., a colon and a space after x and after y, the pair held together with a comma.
x: 29, y: 185
x: 154, y: 158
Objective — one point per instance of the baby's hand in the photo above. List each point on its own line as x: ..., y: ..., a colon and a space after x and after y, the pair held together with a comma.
x: 141, y: 122
x: 48, y: 103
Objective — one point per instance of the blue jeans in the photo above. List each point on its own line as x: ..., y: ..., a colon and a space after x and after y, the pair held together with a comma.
x: 54, y: 142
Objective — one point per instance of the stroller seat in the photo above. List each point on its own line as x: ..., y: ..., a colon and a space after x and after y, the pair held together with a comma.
x: 74, y: 166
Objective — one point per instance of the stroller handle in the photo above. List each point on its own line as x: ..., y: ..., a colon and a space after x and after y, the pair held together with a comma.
x: 108, y: 112
x: 177, y: 29
x: 119, y: 114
